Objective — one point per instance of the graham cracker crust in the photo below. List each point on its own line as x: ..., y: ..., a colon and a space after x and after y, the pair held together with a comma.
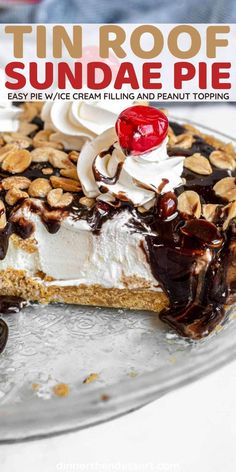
x: 17, y: 283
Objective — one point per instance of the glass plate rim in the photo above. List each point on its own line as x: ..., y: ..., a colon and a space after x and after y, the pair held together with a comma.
x: 90, y: 408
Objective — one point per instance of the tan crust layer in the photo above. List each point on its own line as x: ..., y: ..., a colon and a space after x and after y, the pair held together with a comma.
x: 27, y: 245
x: 16, y: 283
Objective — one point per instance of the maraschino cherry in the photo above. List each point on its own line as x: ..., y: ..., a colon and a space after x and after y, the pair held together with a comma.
x: 141, y: 129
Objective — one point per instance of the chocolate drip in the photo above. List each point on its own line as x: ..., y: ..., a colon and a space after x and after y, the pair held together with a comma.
x: 3, y: 335
x: 101, y: 213
x: 197, y: 293
x: 52, y: 225
x: 107, y: 151
x: 175, y: 248
x: 103, y: 178
x: 197, y: 297
x: 23, y: 228
x: 4, y: 240
x: 10, y: 304
x: 204, y: 311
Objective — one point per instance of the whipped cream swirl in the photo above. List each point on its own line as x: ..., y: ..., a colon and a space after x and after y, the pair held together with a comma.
x: 106, y: 173
x: 75, y: 123
x: 9, y: 115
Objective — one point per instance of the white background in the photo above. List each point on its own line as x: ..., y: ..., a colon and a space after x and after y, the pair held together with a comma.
x: 190, y: 430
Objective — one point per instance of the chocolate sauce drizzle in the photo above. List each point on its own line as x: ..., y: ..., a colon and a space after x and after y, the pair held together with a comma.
x: 3, y: 334
x: 99, y: 177
x: 8, y: 305
x: 197, y: 296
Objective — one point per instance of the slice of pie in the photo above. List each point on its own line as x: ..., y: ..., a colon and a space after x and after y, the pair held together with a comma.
x: 143, y: 218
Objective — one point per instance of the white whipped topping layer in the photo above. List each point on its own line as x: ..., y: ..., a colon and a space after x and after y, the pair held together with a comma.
x: 9, y: 115
x: 138, y: 178
x: 75, y: 123
x: 75, y: 256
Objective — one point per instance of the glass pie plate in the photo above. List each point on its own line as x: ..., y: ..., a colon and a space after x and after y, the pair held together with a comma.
x: 135, y: 358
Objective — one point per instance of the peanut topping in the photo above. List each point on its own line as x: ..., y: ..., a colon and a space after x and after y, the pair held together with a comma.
x: 22, y: 141
x: 189, y: 203
x: 6, y: 149
x: 230, y: 211
x: 229, y: 149
x: 20, y: 182
x: 184, y: 141
x: 39, y: 188
x: 42, y: 139
x: 212, y: 140
x: 73, y: 156
x: 47, y: 171
x: 57, y: 199
x: 192, y: 129
x: 209, y: 211
x: 29, y: 111
x: 226, y: 188
x: 142, y: 209
x: 3, y: 220
x: 15, y: 194
x: 88, y: 202
x: 198, y: 164
x: 40, y: 154
x: 59, y: 159
x: 27, y: 128
x: 222, y: 160
x: 70, y: 173
x: 69, y: 185
x: 171, y: 136
x: 17, y: 161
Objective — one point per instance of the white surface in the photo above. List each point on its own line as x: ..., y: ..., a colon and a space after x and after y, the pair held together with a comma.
x: 191, y: 430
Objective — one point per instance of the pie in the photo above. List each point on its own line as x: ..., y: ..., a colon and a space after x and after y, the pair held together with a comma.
x: 142, y: 217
